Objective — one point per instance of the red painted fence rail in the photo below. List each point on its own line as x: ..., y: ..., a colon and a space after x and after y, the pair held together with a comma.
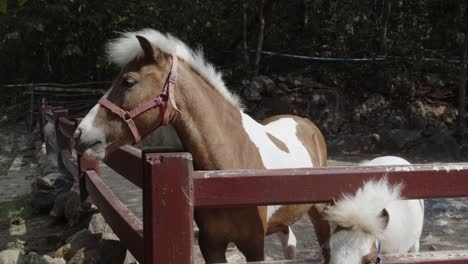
x: 171, y: 191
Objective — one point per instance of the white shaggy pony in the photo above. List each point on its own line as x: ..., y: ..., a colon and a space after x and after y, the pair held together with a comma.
x: 375, y: 220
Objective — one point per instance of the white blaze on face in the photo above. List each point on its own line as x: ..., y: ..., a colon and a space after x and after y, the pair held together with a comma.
x: 91, y: 132
x: 349, y: 247
x: 284, y: 129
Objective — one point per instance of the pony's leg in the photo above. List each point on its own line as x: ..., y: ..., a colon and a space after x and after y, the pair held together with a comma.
x: 321, y: 226
x: 252, y: 249
x: 415, y: 248
x: 213, y: 251
x: 288, y: 240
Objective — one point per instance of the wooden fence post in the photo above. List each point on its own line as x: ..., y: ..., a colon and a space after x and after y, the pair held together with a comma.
x: 83, y: 166
x: 57, y: 114
x: 168, y: 208
x: 44, y: 108
x: 31, y: 108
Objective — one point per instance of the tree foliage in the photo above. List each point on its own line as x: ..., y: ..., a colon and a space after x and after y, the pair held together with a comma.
x: 63, y: 40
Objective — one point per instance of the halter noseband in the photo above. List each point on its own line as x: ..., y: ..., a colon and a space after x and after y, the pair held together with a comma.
x: 167, y: 95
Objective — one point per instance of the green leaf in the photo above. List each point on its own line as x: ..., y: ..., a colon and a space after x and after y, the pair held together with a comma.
x: 3, y: 6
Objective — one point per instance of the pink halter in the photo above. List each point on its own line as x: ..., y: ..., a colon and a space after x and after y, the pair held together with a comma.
x: 166, y: 95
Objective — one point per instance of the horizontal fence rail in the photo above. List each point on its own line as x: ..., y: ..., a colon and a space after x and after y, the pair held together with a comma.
x: 123, y: 222
x: 435, y: 257
x: 127, y: 161
x: 172, y: 191
x: 261, y: 187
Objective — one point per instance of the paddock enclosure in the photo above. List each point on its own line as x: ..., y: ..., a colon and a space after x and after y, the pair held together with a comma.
x: 172, y: 189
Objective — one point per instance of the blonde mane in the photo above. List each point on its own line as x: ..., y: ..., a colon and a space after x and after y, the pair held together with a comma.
x: 362, y: 211
x: 126, y: 48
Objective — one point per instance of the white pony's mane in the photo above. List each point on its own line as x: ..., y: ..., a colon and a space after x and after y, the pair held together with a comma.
x: 126, y: 48
x: 362, y: 211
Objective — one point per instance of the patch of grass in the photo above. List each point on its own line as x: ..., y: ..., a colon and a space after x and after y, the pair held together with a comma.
x: 16, y: 209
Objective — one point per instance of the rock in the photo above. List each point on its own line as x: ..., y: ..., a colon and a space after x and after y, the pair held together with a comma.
x: 17, y: 244
x: 398, y: 139
x: 441, y: 222
x: 78, y: 241
x: 395, y: 121
x: 44, y: 184
x: 375, y: 103
x: 99, y: 225
x: 434, y: 248
x: 53, y: 239
x: 80, y: 258
x: 118, y: 255
x: 48, y: 168
x: 236, y: 258
x: 297, y: 83
x: 72, y: 208
x: 11, y: 256
x: 434, y: 80
x: 269, y: 85
x: 130, y: 259
x: 448, y: 231
x: 353, y: 144
x: 440, y: 147
x: 51, y: 260
x: 59, y: 181
x: 62, y: 251
x: 88, y: 248
x: 58, y: 211
x: 283, y: 87
x: 47, y: 188
x: 34, y: 258
x: 252, y: 92
x: 110, y: 236
x: 42, y: 201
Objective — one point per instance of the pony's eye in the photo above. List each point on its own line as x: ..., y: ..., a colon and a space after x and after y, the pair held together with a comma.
x: 129, y: 82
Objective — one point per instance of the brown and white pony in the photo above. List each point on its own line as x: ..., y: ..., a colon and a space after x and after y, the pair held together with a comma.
x: 163, y: 82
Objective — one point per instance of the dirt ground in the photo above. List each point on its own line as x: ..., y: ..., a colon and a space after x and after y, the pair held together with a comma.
x: 18, y: 168
x: 446, y: 220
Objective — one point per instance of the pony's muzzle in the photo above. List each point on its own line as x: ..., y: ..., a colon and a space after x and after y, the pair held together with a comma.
x: 82, y: 145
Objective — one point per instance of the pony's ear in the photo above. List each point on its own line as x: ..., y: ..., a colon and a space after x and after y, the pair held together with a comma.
x: 333, y: 202
x: 149, y: 51
x: 385, y: 217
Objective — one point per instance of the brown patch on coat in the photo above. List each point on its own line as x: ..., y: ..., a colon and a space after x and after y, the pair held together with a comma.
x: 314, y: 142
x: 286, y: 215
x: 280, y: 144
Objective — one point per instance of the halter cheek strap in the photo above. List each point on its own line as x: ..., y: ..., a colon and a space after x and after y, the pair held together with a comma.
x: 379, y: 252
x: 161, y: 101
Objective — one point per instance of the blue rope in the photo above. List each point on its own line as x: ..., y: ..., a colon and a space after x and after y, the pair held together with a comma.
x: 378, y: 58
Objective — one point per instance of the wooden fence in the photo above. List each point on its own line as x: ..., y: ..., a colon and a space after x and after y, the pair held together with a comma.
x: 76, y: 97
x: 172, y: 189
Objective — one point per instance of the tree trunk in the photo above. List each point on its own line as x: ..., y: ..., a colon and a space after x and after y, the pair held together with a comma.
x: 261, y: 31
x: 245, y: 48
x: 268, y: 6
x: 460, y: 132
x: 385, y: 17
x: 306, y: 18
